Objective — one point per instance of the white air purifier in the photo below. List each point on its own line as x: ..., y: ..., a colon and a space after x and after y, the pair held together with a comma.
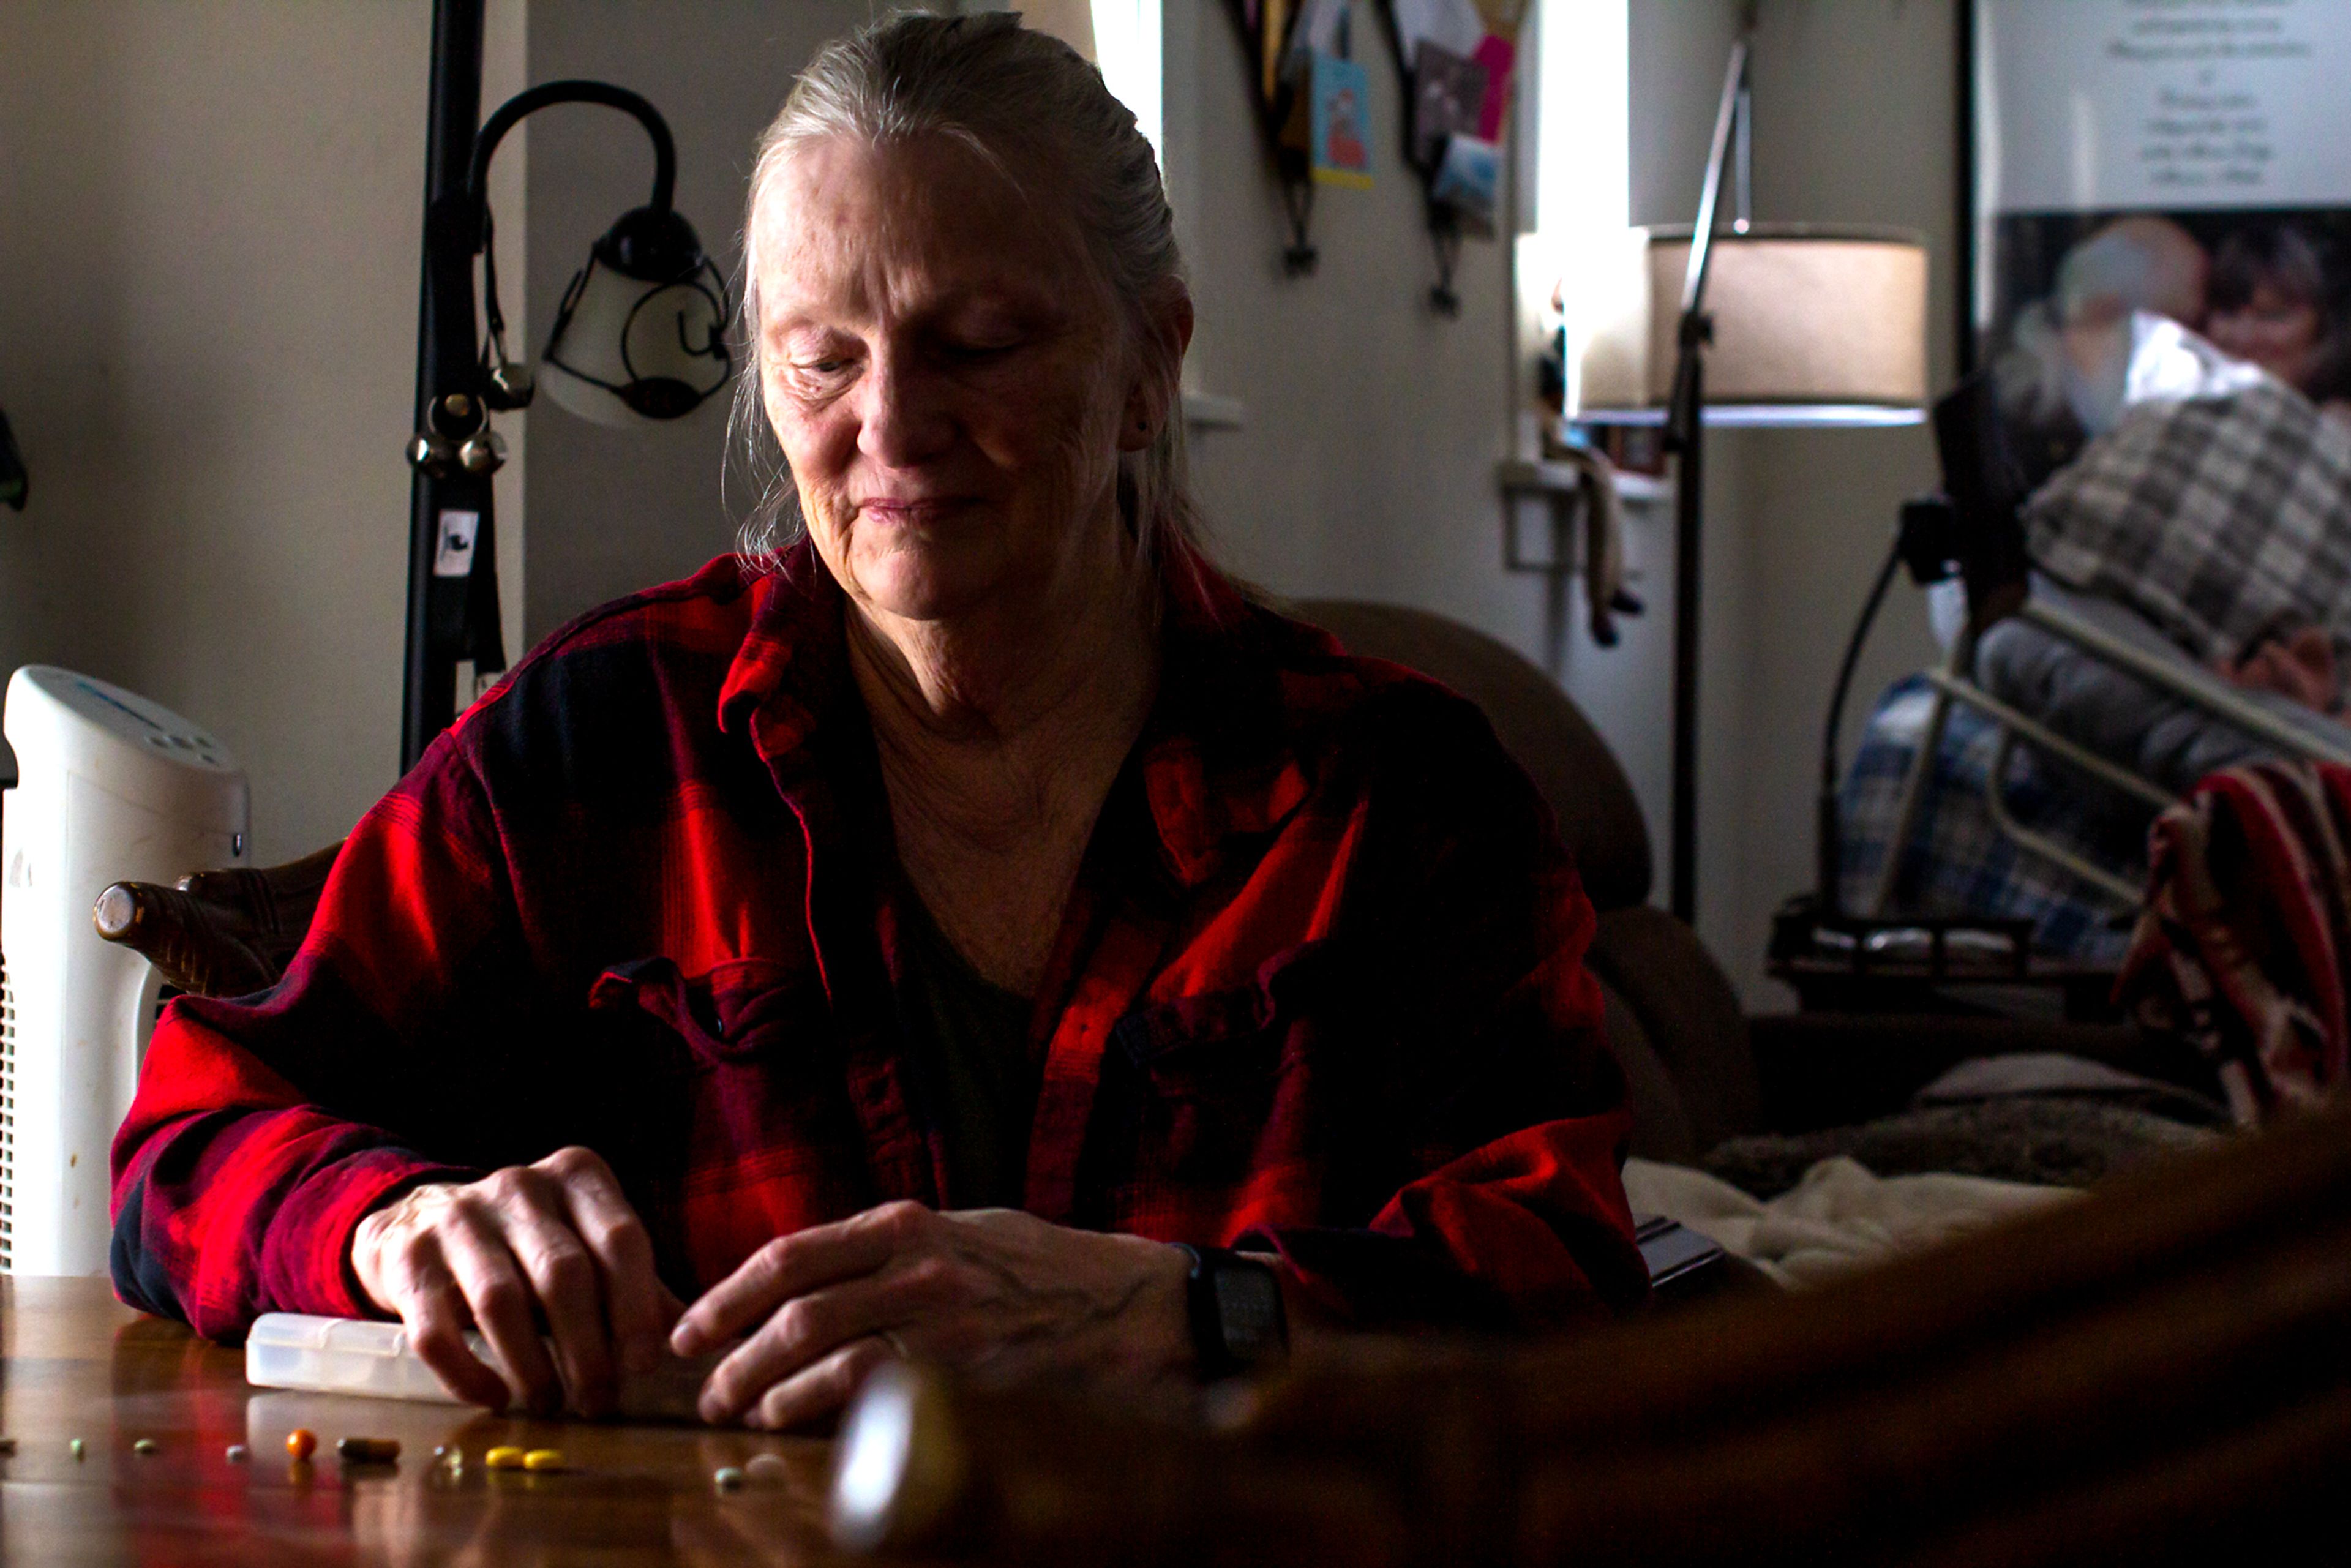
x: 110, y: 788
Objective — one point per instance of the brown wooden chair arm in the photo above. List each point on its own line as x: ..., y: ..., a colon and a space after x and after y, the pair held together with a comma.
x: 218, y: 933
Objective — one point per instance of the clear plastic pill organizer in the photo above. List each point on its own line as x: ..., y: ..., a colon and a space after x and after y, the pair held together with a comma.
x: 352, y: 1355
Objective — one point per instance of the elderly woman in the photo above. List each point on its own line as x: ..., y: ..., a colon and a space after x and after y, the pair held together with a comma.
x: 973, y: 931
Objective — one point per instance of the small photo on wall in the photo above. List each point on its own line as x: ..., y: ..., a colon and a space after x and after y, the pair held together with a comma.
x: 1341, y: 144
x: 1466, y: 180
x: 1448, y: 99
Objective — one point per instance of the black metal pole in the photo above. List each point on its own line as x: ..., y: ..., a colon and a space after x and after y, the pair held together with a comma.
x: 1684, y: 428
x: 1690, y: 493
x: 444, y: 365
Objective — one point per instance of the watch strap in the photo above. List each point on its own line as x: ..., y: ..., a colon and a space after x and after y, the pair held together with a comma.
x: 1222, y: 1351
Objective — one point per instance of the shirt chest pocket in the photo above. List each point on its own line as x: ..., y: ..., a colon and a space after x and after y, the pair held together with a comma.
x: 736, y: 1013
x: 1230, y: 1083
x: 755, y: 1044
x: 749, y: 1125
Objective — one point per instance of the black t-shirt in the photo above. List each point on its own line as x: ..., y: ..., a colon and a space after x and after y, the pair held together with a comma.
x: 974, y: 1037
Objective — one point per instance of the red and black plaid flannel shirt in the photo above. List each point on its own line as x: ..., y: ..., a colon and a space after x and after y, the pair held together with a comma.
x: 1319, y: 984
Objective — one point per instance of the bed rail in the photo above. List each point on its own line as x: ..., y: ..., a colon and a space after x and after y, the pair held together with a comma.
x: 1954, y: 684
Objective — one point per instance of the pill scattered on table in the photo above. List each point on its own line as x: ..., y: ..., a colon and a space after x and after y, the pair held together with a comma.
x: 302, y: 1443
x: 76, y: 1445
x: 505, y: 1457
x: 238, y: 1453
x: 442, y: 1451
x: 728, y: 1478
x: 368, y: 1450
x: 143, y: 1445
x: 766, y: 1467
x: 543, y: 1459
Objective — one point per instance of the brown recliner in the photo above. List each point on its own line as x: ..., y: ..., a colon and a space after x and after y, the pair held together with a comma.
x: 1698, y: 1070
x: 1673, y: 1018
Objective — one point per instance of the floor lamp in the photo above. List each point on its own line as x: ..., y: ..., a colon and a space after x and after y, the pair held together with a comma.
x: 1748, y: 324
x: 638, y: 336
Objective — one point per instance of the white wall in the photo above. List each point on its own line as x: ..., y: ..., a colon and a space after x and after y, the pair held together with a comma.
x: 1366, y: 467
x: 208, y: 222
x: 209, y: 229
x: 613, y: 511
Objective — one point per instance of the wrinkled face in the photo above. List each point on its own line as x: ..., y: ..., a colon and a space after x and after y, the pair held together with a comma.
x: 947, y: 376
x: 2275, y: 331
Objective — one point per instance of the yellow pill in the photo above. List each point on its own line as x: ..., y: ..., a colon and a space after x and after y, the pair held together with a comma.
x: 504, y: 1458
x: 543, y: 1459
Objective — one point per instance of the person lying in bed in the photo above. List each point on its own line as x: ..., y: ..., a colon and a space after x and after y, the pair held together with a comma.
x: 894, y: 942
x: 2295, y: 661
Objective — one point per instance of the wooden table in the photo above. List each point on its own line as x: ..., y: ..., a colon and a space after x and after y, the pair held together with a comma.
x: 79, y: 1364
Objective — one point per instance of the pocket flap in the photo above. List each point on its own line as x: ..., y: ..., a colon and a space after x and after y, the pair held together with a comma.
x: 732, y: 1013
x: 1217, y: 1027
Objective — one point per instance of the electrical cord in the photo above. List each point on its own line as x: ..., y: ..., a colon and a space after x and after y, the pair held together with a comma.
x: 1828, y: 859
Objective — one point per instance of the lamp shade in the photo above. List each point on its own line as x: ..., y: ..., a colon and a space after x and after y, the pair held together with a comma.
x: 640, y: 334
x: 1812, y: 326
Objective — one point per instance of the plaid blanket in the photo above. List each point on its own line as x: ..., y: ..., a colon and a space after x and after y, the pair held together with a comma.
x: 1956, y: 860
x: 2218, y: 519
x: 2247, y: 934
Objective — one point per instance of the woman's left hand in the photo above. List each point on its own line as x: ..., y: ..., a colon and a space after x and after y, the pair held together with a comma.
x: 990, y: 1288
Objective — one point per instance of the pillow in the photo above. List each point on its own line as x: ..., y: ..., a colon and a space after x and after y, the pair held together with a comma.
x: 2218, y: 519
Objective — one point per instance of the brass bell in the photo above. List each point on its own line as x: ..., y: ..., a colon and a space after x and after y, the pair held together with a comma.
x: 510, y: 386
x: 482, y: 454
x: 433, y: 452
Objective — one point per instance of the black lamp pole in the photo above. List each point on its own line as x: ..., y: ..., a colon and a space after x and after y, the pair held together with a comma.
x: 448, y: 398
x: 1684, y: 436
x: 453, y: 573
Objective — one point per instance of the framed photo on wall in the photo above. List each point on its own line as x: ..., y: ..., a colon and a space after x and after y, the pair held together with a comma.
x: 2189, y: 159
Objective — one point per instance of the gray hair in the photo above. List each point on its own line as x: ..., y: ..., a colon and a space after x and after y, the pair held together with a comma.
x: 1030, y: 106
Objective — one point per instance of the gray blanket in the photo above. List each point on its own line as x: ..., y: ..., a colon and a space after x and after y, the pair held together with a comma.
x: 2109, y: 711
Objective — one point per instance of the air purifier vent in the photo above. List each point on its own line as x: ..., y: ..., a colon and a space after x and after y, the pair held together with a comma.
x: 7, y: 1121
x: 96, y: 801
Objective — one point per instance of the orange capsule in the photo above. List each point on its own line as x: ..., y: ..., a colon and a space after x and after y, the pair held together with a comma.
x: 302, y: 1443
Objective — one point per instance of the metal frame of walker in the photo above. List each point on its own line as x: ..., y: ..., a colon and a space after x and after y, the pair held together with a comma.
x: 1954, y: 684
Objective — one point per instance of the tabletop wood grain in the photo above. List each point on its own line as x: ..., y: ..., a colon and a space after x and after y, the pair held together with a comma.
x: 75, y: 1364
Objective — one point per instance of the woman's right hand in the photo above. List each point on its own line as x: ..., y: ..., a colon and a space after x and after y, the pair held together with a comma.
x: 553, y: 1241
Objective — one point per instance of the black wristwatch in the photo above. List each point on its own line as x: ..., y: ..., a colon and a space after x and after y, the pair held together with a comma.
x: 1235, y: 1305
